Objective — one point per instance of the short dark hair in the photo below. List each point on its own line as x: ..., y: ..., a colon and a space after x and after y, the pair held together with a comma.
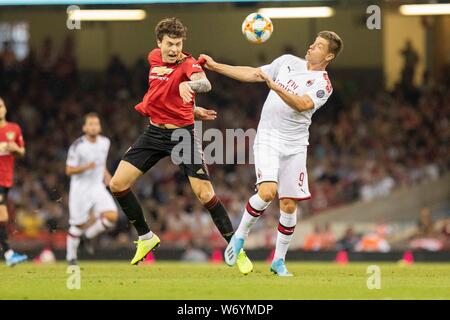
x: 90, y: 115
x: 172, y: 27
x: 335, y: 43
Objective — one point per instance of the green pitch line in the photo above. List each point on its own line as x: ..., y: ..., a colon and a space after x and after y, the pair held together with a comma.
x: 164, y: 280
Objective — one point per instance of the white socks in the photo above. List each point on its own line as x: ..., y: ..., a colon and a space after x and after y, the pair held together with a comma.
x: 146, y: 236
x: 9, y: 253
x: 74, y: 234
x: 255, y: 207
x: 98, y: 227
x: 286, y: 229
x: 73, y: 241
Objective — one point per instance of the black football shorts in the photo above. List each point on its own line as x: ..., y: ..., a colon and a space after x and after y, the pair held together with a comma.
x: 3, y: 195
x: 179, y: 144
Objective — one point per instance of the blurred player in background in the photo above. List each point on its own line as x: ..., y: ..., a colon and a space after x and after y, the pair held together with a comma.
x: 86, y: 166
x: 299, y: 87
x: 174, y: 78
x: 11, y: 145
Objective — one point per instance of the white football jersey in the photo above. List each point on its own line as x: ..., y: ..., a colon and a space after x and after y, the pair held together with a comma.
x: 82, y: 152
x: 281, y: 126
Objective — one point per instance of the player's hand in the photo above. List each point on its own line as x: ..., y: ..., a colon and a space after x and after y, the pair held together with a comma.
x: 209, y: 62
x: 204, y: 114
x: 270, y: 83
x: 89, y: 166
x: 186, y: 93
x: 12, y: 147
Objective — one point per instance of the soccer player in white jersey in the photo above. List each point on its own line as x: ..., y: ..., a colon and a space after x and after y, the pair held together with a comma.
x: 299, y: 87
x: 86, y: 165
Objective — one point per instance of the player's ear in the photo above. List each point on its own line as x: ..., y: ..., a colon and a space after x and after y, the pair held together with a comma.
x: 158, y: 43
x: 329, y: 57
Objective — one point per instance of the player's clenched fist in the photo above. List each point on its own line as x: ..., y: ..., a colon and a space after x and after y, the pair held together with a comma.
x: 90, y: 165
x: 12, y: 147
x: 186, y: 92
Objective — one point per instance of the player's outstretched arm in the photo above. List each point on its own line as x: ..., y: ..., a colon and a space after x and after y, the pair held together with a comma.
x: 77, y: 170
x: 241, y: 73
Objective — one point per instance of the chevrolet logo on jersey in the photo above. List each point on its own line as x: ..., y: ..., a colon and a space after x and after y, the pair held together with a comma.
x: 161, y: 71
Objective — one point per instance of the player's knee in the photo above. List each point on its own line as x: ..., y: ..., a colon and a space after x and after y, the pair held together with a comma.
x: 111, y: 216
x: 3, y: 214
x: 204, y: 194
x: 288, y: 205
x: 115, y: 185
x: 267, y: 194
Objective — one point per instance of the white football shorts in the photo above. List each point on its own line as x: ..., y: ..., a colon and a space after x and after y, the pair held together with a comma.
x: 82, y: 202
x: 288, y: 170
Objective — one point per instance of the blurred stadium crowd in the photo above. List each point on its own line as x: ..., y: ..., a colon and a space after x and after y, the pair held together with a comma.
x: 361, y: 147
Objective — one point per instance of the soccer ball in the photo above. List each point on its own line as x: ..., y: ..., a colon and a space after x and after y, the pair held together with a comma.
x: 45, y: 257
x: 257, y: 28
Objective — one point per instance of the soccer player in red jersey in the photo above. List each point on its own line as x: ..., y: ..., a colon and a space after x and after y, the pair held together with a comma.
x: 11, y: 145
x: 174, y: 79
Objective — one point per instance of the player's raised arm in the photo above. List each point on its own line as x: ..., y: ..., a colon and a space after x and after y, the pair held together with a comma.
x: 198, y: 83
x: 241, y: 73
x: 299, y: 103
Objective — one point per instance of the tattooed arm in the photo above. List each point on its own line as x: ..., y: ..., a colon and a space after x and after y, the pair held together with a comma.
x: 199, y: 83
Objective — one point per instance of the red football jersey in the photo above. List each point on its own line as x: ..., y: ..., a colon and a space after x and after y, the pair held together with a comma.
x: 9, y: 133
x: 162, y: 102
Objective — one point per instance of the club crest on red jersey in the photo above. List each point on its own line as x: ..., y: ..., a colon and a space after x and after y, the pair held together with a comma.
x: 10, y: 135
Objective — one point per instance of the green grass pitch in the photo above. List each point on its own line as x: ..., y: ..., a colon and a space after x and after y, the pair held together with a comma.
x: 173, y: 280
